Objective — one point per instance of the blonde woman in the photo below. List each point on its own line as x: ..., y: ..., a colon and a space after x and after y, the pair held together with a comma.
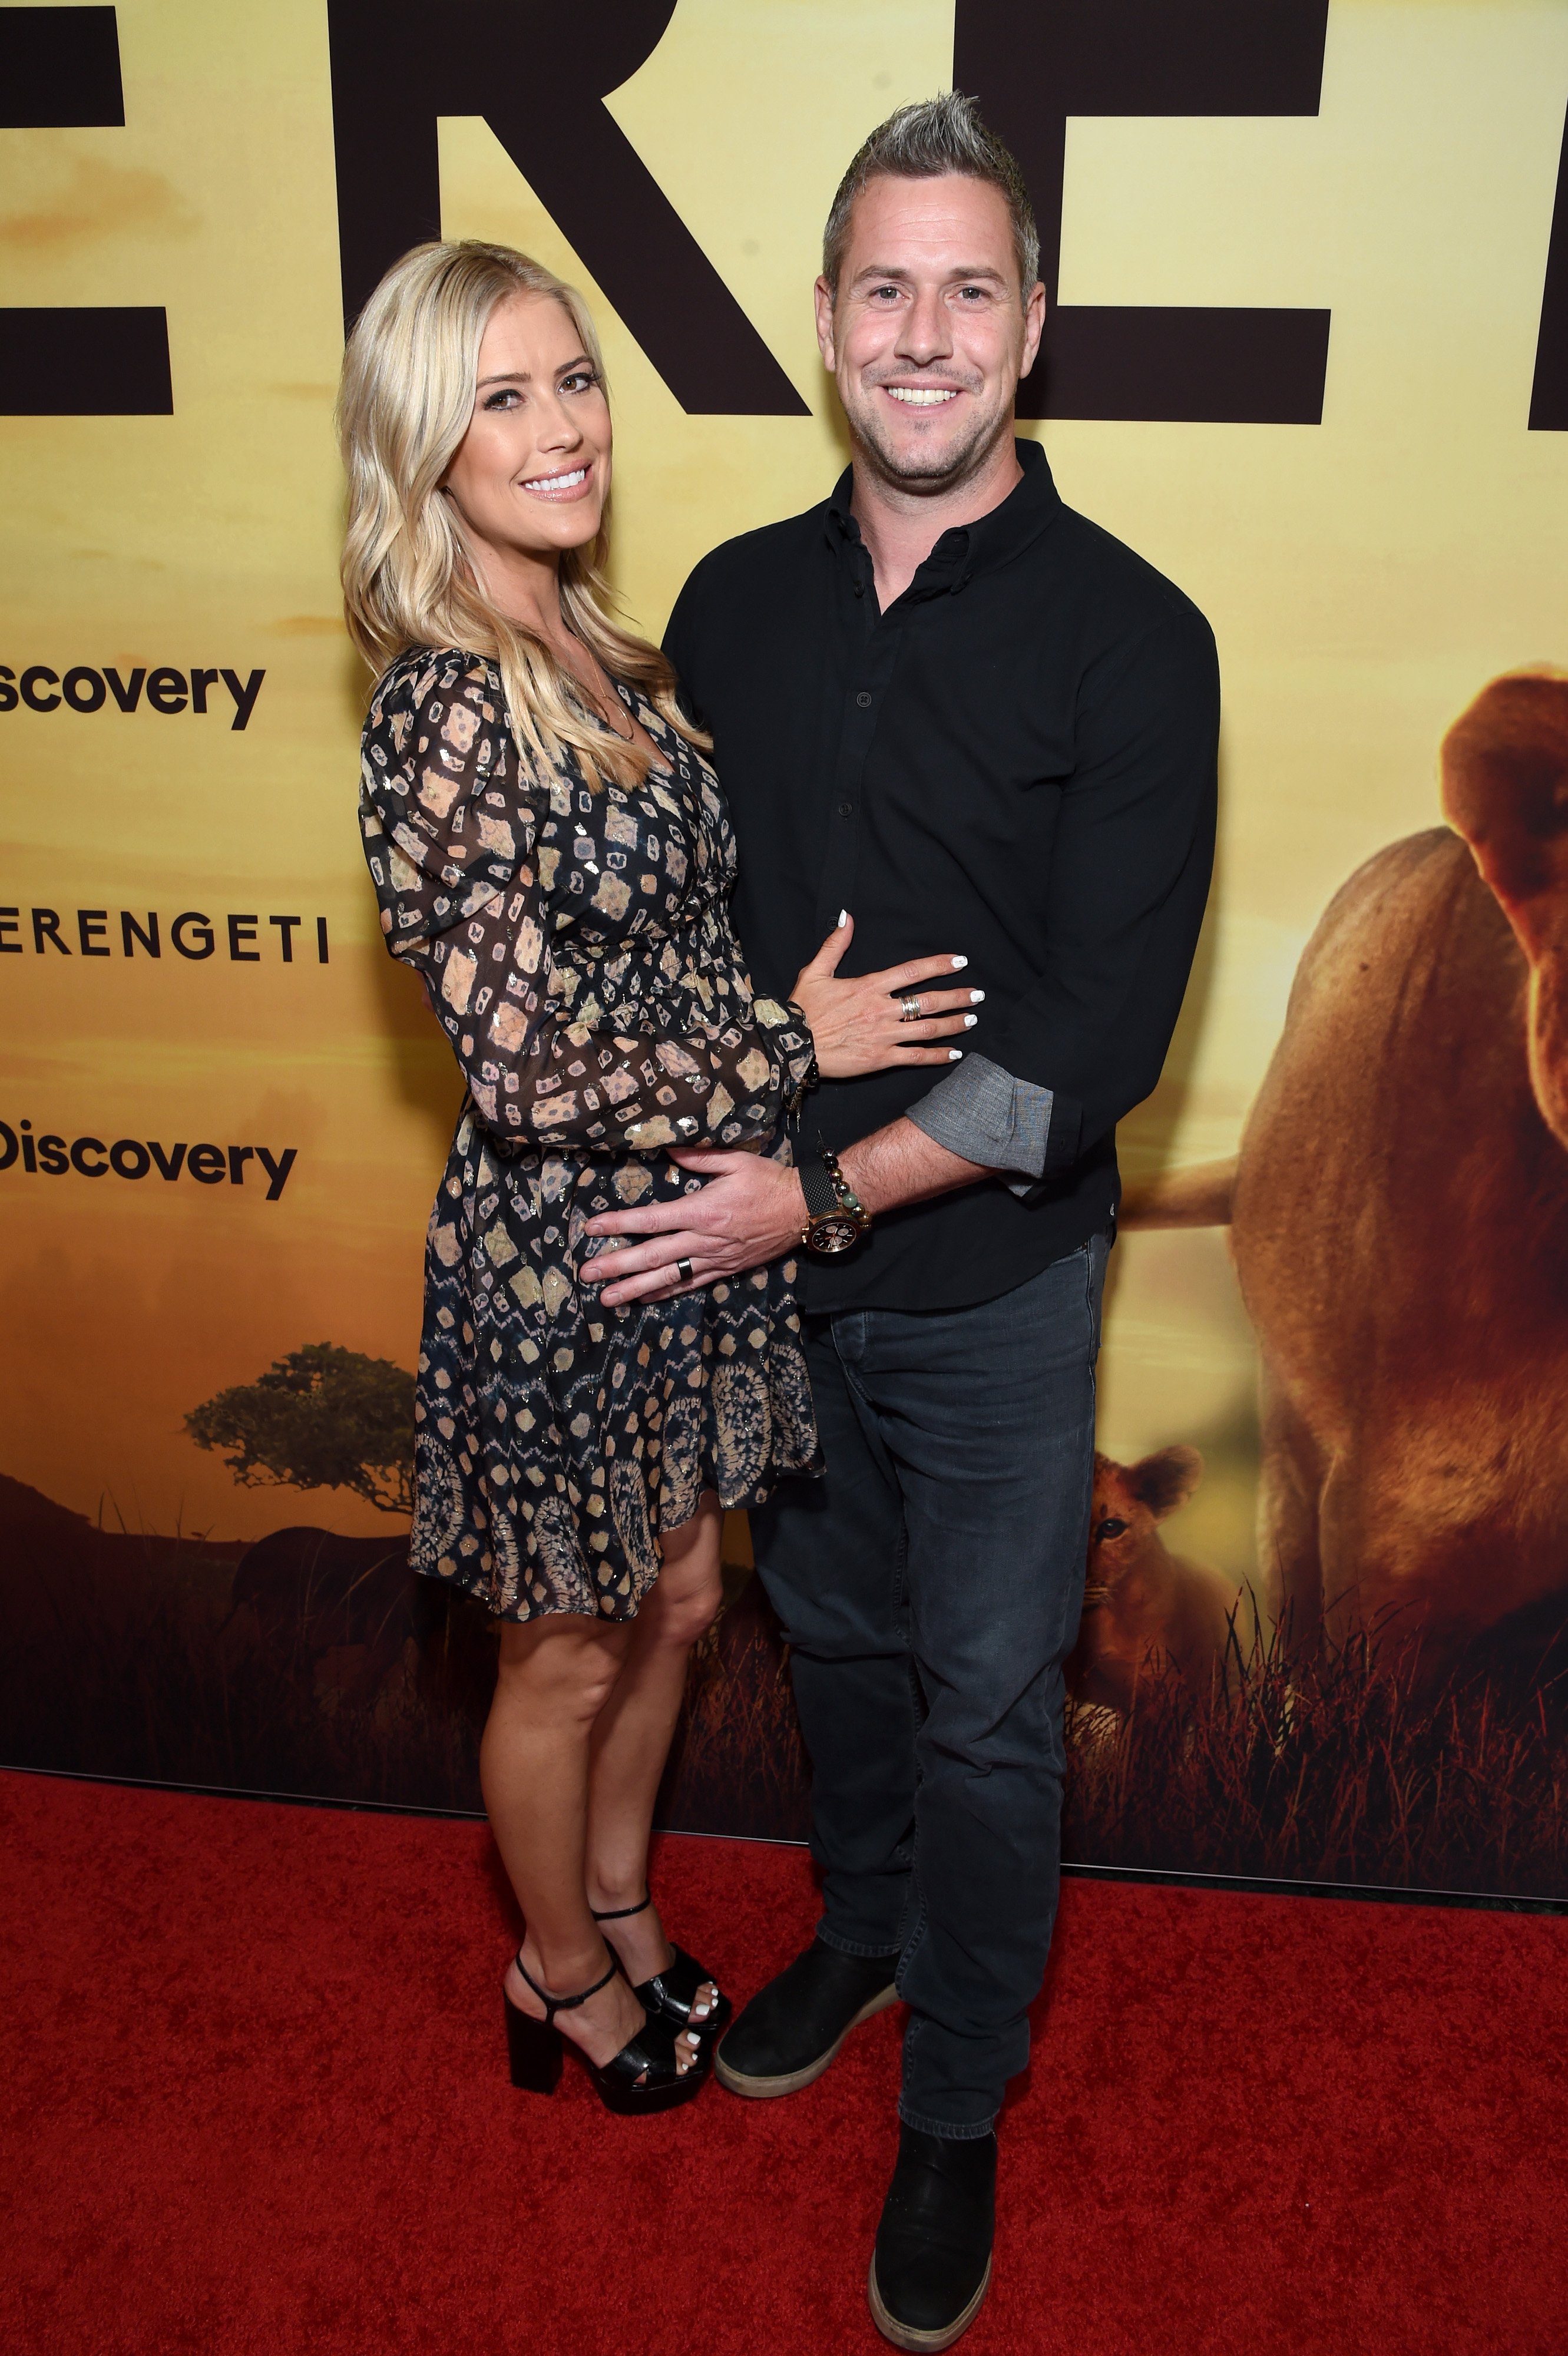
x: 551, y: 855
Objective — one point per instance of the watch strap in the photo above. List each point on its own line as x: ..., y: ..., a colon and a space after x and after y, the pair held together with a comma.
x: 816, y: 1186
x: 843, y: 1193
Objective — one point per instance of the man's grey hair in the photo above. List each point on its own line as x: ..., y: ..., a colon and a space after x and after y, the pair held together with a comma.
x: 923, y: 143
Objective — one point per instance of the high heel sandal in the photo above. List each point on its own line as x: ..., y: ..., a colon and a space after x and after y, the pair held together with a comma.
x: 670, y: 1994
x: 642, y: 2077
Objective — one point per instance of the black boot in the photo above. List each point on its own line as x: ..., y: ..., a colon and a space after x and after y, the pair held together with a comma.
x: 931, y: 2266
x: 790, y: 2032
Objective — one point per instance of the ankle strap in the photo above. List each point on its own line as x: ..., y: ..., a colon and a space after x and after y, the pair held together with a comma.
x: 554, y: 2004
x: 619, y: 1914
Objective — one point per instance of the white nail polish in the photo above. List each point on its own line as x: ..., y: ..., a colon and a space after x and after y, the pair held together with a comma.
x: 843, y: 918
x: 976, y: 997
x: 969, y: 1021
x: 955, y: 1055
x: 958, y: 964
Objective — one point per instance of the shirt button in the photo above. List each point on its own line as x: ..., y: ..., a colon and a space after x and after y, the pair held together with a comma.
x: 864, y: 701
x: 847, y: 809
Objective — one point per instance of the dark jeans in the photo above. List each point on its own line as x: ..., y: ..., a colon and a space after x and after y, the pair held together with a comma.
x: 930, y: 1588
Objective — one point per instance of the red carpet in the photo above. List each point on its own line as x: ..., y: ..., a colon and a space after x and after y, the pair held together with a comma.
x: 255, y: 2104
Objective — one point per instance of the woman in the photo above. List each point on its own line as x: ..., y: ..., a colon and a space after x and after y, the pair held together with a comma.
x: 551, y: 855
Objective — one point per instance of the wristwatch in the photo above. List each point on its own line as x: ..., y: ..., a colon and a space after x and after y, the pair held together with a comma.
x: 836, y: 1217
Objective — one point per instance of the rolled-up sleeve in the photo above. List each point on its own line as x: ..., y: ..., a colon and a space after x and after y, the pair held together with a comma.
x: 988, y: 1117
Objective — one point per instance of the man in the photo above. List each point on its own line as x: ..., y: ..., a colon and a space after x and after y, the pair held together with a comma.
x: 948, y: 705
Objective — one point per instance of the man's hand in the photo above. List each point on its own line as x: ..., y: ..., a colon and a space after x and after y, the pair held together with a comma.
x: 750, y: 1211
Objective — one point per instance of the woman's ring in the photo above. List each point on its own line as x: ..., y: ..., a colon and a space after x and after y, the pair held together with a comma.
x: 911, y: 1013
x: 683, y: 1269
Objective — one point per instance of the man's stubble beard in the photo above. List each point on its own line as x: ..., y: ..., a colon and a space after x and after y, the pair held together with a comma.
x: 928, y: 478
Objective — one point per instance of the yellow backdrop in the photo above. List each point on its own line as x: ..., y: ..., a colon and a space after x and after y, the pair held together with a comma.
x: 1364, y: 577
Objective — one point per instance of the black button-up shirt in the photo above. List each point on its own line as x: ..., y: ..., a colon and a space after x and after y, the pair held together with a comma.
x: 1016, y: 762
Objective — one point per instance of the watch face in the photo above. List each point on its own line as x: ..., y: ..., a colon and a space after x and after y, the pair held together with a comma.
x: 835, y: 1234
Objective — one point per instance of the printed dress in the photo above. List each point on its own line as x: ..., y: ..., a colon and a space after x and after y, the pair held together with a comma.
x: 574, y: 939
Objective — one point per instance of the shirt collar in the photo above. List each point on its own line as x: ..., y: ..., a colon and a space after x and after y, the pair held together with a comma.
x: 1029, y: 508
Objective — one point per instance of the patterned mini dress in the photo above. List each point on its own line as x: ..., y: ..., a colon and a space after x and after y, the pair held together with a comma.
x: 575, y: 943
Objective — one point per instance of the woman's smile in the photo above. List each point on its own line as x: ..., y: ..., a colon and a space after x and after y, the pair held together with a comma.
x: 570, y: 483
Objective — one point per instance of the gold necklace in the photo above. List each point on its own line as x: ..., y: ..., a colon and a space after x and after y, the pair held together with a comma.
x: 590, y: 688
x: 624, y: 734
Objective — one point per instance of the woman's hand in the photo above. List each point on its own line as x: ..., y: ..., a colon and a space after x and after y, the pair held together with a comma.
x: 864, y: 1026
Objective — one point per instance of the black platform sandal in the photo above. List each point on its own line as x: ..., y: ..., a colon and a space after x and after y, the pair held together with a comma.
x: 642, y: 2077
x: 670, y: 1994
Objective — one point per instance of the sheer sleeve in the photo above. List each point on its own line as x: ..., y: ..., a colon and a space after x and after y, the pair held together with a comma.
x: 456, y: 840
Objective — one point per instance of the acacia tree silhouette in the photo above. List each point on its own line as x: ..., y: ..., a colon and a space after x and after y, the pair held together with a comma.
x: 320, y: 1419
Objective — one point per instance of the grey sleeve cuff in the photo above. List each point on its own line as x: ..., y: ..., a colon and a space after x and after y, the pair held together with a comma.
x: 983, y: 1113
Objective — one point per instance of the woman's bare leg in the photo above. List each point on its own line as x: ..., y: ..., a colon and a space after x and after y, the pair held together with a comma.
x: 555, y: 1677
x: 631, y: 1735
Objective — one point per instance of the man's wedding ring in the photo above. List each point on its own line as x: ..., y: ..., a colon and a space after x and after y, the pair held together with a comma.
x: 912, y: 1009
x: 683, y: 1270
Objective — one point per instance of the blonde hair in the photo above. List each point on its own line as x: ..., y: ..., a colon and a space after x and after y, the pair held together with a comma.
x: 410, y: 378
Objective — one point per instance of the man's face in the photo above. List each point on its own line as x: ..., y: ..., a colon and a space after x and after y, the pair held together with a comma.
x: 929, y: 336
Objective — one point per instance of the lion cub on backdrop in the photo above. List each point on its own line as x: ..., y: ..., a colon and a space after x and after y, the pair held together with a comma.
x: 1146, y: 1609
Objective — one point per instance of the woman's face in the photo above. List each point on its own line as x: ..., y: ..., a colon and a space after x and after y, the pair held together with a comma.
x: 532, y: 473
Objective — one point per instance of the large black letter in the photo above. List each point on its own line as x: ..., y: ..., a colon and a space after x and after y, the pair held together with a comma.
x: 1549, y: 399
x: 397, y: 65
x: 61, y: 68
x: 1034, y: 62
